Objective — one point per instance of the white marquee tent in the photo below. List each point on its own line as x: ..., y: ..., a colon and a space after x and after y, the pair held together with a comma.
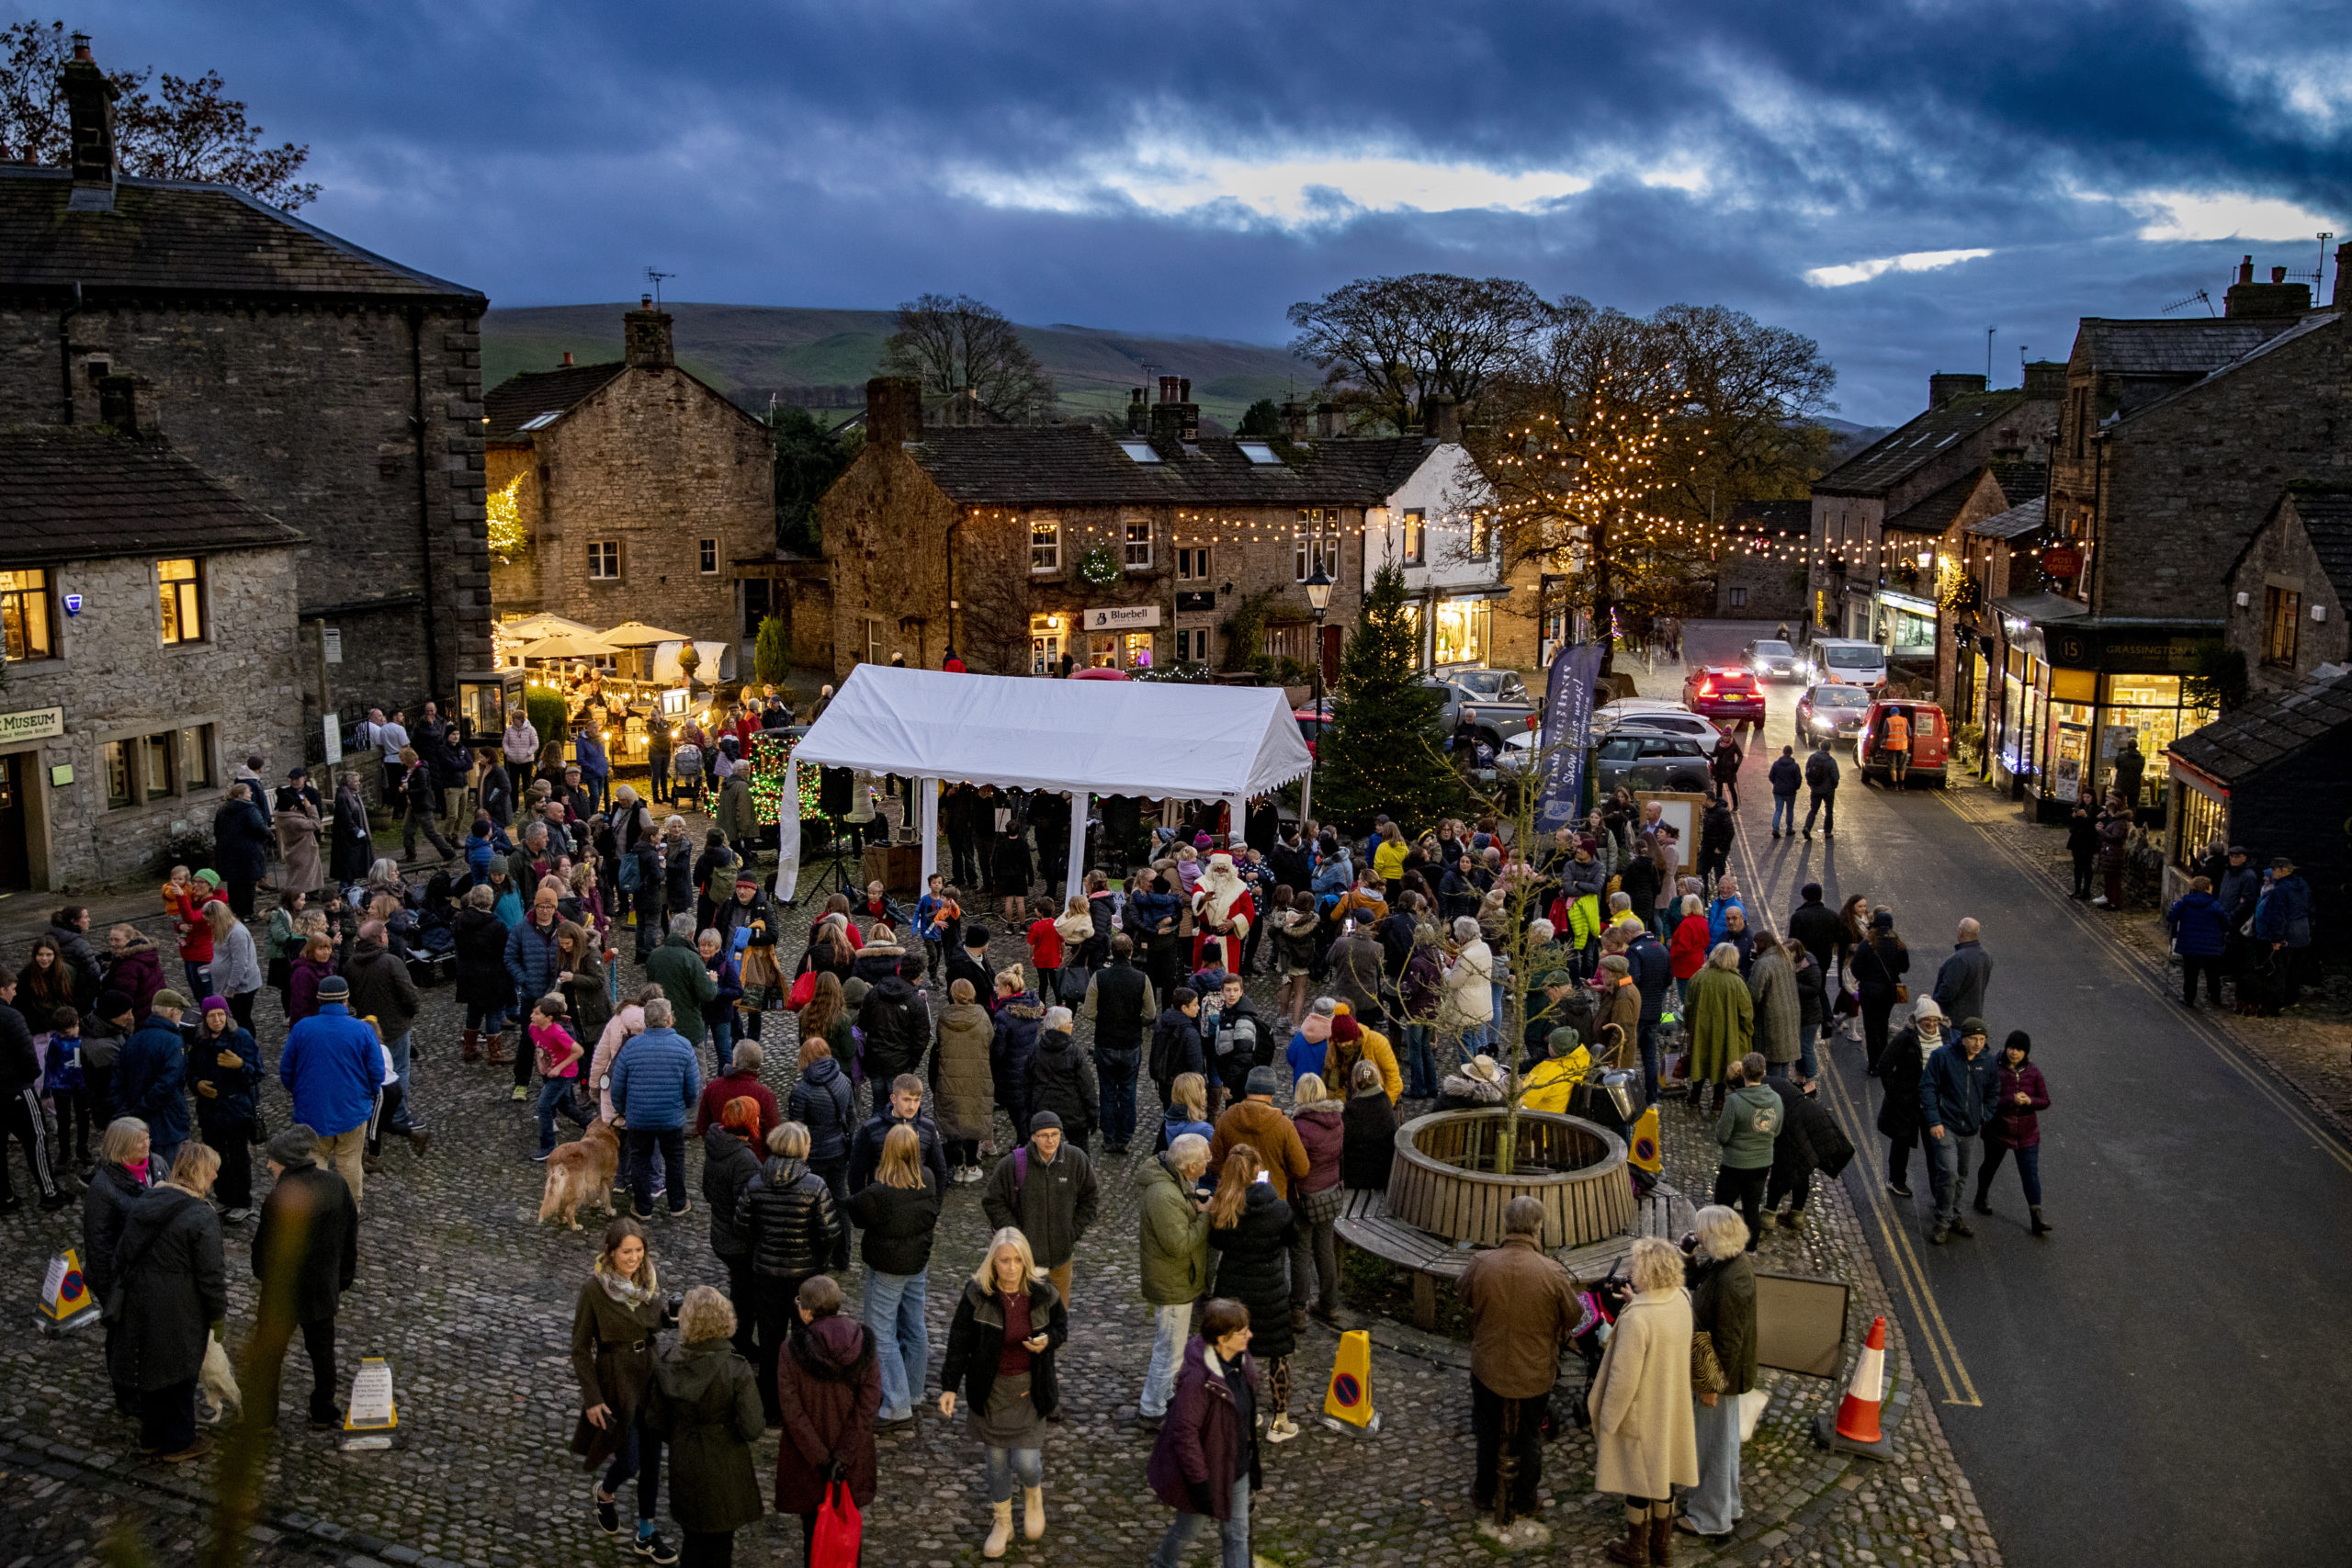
x: 1155, y: 739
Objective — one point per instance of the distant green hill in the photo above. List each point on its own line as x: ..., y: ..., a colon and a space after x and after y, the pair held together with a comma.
x: 753, y: 351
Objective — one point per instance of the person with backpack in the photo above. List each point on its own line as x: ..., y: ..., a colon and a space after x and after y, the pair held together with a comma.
x: 1821, y: 784
x: 1047, y: 1191
x: 1235, y: 1041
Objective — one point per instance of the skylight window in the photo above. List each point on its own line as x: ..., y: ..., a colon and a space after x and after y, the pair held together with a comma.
x: 1257, y: 452
x: 541, y: 421
x: 1140, y: 450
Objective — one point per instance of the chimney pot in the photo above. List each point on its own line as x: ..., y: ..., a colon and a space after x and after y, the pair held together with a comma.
x: 1138, y: 413
x: 567, y: 356
x: 81, y: 46
x: 2278, y: 275
x: 2245, y: 270
x: 1168, y: 388
x: 1295, y: 422
x: 1441, y: 419
x: 1184, y: 389
x: 893, y: 410
x: 89, y: 103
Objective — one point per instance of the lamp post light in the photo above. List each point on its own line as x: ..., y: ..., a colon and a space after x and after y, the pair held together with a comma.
x: 1318, y: 595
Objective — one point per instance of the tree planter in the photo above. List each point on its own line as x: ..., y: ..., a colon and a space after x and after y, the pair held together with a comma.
x: 1443, y: 1179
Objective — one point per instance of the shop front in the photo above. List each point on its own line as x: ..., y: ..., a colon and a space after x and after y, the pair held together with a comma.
x: 2077, y: 692
x: 1109, y: 637
x: 1906, y: 627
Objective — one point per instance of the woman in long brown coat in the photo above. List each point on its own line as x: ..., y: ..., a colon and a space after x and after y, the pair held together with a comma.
x: 830, y: 1387
x: 1645, y: 1443
x: 963, y: 1096
x: 297, y: 826
x: 613, y: 1327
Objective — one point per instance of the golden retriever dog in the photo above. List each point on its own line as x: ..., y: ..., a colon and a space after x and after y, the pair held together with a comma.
x: 580, y: 1175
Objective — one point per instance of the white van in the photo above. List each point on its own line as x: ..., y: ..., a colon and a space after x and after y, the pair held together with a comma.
x: 1846, y: 660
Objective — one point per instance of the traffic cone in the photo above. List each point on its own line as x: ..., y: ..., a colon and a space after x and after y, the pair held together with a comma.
x: 1346, y: 1404
x: 1856, y: 1429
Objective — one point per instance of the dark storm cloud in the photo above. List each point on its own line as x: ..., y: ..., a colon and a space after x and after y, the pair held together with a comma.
x: 1094, y: 163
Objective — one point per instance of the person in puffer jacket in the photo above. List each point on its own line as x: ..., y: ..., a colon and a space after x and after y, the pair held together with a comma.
x: 731, y: 1161
x: 1019, y: 1016
x: 1061, y: 1080
x: 787, y: 1218
x: 895, y: 1017
x: 825, y: 1102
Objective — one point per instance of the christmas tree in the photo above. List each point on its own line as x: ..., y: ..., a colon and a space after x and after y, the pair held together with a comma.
x: 1384, y: 748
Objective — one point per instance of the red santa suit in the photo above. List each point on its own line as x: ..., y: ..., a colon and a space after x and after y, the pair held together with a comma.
x: 1222, y: 911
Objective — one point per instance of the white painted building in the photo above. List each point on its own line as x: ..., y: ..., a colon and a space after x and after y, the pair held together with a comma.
x: 1453, y: 564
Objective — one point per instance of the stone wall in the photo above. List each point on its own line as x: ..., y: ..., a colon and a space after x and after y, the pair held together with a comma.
x: 884, y: 527
x: 2280, y: 556
x: 309, y: 413
x: 656, y: 462
x: 116, y: 680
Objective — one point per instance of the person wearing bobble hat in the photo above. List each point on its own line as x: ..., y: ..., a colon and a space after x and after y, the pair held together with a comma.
x: 2016, y: 1128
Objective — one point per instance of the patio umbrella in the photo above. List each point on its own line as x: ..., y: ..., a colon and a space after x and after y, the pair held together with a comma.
x: 544, y: 624
x: 588, y: 647
x: 637, y: 634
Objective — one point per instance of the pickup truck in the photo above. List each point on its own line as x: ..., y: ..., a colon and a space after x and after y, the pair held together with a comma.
x: 1496, y: 700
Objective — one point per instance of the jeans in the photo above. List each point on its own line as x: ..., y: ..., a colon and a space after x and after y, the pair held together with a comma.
x: 1115, y: 1073
x: 1232, y: 1533
x: 1948, y: 1162
x: 722, y: 1039
x: 1006, y: 1464
x: 556, y: 1094
x: 1784, y: 813
x: 1171, y: 1326
x: 1824, y: 805
x: 1420, y: 1067
x: 641, y: 1456
x: 894, y: 1316
x: 397, y: 1122
x: 1805, y: 1061
x: 1712, y: 1505
x: 489, y: 1020
x: 642, y: 1143
x: 2028, y: 1170
x: 1488, y: 1411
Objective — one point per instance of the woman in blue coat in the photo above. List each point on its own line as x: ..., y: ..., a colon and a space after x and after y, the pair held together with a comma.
x: 2201, y: 935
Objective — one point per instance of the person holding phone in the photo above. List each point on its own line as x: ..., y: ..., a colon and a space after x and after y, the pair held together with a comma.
x: 1000, y: 1349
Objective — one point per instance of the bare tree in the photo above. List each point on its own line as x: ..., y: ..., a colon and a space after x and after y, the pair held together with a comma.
x: 1388, y: 344
x: 953, y: 344
x: 186, y: 130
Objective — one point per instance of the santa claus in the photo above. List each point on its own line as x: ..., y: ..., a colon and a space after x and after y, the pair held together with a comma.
x: 1222, y: 910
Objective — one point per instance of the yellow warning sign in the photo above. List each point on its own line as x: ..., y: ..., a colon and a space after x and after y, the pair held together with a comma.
x: 64, y: 1293
x: 1641, y: 1141
x: 1349, y: 1398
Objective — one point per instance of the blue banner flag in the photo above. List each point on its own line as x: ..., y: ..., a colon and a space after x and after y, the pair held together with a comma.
x: 1567, y: 734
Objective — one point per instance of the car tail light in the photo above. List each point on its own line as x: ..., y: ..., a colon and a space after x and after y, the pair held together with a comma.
x: 1707, y: 687
x: 1533, y: 722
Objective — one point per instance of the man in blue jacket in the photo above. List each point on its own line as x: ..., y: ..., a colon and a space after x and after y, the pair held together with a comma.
x: 1959, y: 1089
x: 655, y: 1082
x: 2201, y: 935
x: 333, y: 1065
x: 151, y: 1077
x: 2282, y: 927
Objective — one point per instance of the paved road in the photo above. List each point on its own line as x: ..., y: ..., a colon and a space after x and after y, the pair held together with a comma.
x: 2163, y: 1380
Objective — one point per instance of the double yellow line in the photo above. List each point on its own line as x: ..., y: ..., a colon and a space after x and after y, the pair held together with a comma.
x: 1910, y: 1272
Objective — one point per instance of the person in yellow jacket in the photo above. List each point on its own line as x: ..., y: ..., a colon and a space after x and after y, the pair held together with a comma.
x: 1388, y: 859
x: 1548, y: 1083
x: 1352, y: 1043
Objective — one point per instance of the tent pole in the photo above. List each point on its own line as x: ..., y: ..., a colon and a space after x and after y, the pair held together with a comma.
x: 927, y: 827
x: 1237, y: 820
x: 787, y: 832
x: 1077, y: 868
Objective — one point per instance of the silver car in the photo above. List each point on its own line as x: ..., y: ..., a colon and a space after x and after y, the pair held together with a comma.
x: 1832, y: 712
x: 1772, y: 660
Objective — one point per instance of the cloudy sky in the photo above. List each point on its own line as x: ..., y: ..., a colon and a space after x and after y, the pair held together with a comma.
x: 1891, y: 178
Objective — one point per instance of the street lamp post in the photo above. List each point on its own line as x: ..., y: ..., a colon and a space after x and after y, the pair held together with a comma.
x: 1318, y: 595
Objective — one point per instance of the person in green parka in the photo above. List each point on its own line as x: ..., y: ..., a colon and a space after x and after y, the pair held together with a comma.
x: 705, y: 1406
x: 736, y: 817
x: 1721, y: 1020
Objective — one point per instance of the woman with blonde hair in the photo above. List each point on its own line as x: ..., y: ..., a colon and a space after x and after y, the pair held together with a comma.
x: 1723, y: 1307
x: 171, y: 1287
x: 1251, y: 1231
x: 1009, y: 1322
x: 625, y: 1024
x: 1187, y: 1111
x: 615, y: 1320
x: 705, y: 1405
x: 896, y: 1215
x: 1644, y: 1441
x: 236, y: 965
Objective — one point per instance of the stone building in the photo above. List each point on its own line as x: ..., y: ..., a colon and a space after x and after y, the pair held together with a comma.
x: 2290, y: 586
x: 1760, y: 574
x: 1020, y: 547
x: 638, y: 486
x: 324, y: 385
x: 149, y: 613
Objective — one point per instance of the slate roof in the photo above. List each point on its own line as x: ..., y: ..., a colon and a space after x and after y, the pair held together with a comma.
x: 2268, y: 730
x: 2019, y: 478
x: 2188, y: 346
x: 1934, y: 514
x: 1044, y: 465
x: 518, y: 400
x: 81, y: 494
x: 179, y: 237
x: 2013, y: 523
x: 1889, y: 460
x: 2327, y: 518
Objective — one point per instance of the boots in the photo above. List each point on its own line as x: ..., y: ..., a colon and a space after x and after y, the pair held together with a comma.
x: 497, y: 1056
x: 473, y: 1046
x: 1984, y: 1199
x: 1661, y: 1542
x: 2041, y: 1225
x: 1033, y: 1511
x: 1000, y: 1532
x: 1634, y: 1549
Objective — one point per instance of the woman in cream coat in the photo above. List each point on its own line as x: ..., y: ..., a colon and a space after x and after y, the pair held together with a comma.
x: 1645, y: 1442
x: 1465, y: 1004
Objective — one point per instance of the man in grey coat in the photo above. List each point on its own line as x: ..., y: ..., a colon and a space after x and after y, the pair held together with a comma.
x: 1961, y: 983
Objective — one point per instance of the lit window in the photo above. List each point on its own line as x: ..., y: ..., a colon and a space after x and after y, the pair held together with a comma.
x: 706, y: 557
x: 179, y: 586
x: 1140, y: 451
x: 196, y: 757
x: 541, y: 421
x: 1138, y: 547
x: 1045, y: 547
x: 1417, y: 536
x: 1193, y: 564
x: 604, y: 561
x: 1257, y: 452
x: 24, y: 615
x: 1139, y: 650
x: 1319, y: 542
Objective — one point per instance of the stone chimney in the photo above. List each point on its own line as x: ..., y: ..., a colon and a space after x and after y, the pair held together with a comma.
x: 2276, y: 298
x: 2045, y: 380
x: 89, y: 102
x: 1943, y: 385
x: 128, y: 403
x: 1441, y: 419
x: 893, y: 410
x: 1138, y: 413
x: 645, y: 337
x: 1175, y: 417
x: 1294, y: 424
x: 1329, y: 425
x: 2343, y: 296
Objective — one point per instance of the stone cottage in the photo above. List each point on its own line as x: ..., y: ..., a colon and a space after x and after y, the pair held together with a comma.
x: 149, y: 610
x: 2290, y: 586
x: 635, y: 487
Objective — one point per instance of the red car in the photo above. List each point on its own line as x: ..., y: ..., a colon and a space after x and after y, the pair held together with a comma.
x: 1725, y: 692
x: 1311, y: 723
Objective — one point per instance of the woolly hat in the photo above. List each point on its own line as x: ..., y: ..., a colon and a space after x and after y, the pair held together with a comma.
x: 296, y: 1145
x: 1039, y: 1121
x: 2019, y: 1042
x: 1265, y: 1080
x: 1345, y: 1026
x: 1969, y: 1026
x: 332, y: 988
x: 213, y: 1003
x: 208, y: 876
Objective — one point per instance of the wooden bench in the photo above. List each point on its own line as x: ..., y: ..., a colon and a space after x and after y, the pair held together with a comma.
x: 1366, y: 1224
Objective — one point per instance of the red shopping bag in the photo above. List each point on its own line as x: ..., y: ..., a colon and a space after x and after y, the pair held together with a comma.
x: 838, y: 1529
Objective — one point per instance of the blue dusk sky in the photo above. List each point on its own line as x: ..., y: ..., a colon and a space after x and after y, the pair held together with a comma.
x: 1890, y: 178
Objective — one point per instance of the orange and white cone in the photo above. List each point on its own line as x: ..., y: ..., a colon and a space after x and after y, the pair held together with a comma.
x: 1858, y: 1416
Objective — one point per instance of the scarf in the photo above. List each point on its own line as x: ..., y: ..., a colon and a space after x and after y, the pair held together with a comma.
x: 137, y: 1168
x: 628, y: 1292
x: 1927, y: 1043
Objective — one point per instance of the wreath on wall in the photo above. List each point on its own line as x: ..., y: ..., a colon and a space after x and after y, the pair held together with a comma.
x: 1098, y: 567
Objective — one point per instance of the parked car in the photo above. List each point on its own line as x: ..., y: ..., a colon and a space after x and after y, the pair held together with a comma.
x: 1855, y: 663
x: 1725, y: 690
x: 1311, y: 723
x: 1772, y: 660
x: 1831, y: 711
x: 1638, y: 761
x: 1496, y: 700
x: 1609, y: 715
x: 1930, y: 738
x: 1675, y: 721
